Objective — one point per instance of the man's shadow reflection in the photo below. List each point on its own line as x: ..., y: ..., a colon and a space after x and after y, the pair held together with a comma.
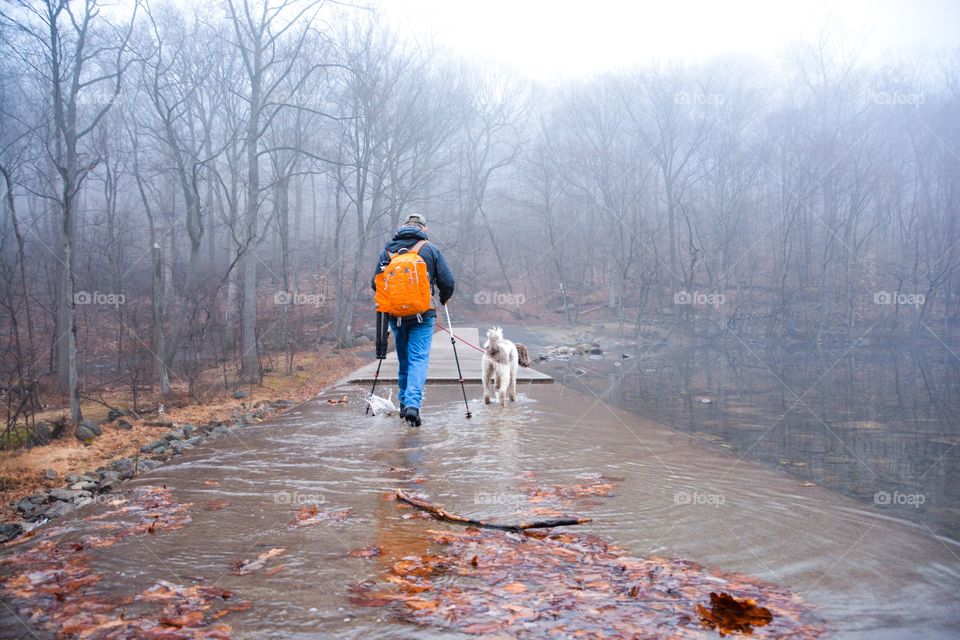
x: 398, y: 533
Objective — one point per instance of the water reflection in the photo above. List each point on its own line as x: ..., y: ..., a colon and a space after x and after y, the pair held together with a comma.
x: 877, y: 424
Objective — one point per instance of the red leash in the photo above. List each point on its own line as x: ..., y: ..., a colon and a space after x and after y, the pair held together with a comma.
x: 472, y: 346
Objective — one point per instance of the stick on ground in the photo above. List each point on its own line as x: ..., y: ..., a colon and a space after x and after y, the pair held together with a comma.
x: 438, y: 512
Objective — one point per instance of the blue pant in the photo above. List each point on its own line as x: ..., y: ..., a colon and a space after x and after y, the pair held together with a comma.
x: 413, y: 351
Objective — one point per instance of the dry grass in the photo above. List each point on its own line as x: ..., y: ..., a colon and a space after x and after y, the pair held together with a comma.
x: 21, y: 470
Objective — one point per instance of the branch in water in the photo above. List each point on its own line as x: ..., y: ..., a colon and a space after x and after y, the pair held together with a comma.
x: 438, y: 512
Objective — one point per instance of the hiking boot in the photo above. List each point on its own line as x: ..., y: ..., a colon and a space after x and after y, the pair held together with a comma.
x: 403, y: 409
x: 412, y: 415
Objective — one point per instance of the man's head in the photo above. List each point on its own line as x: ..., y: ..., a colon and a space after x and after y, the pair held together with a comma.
x: 416, y: 219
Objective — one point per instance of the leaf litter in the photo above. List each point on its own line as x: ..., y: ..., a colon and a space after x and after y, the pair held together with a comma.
x: 548, y: 584
x: 52, y: 581
x: 557, y: 585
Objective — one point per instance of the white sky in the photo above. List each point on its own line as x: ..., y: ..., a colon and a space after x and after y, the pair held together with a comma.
x: 563, y: 38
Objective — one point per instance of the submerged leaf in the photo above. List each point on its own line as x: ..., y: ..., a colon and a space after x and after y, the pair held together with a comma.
x: 727, y: 614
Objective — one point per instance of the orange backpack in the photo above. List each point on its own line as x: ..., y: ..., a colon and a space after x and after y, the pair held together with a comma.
x: 403, y: 286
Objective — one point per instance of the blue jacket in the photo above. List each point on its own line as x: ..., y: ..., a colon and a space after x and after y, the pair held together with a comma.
x: 441, y: 277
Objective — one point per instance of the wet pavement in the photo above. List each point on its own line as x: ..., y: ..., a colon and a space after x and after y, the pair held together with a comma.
x: 867, y: 574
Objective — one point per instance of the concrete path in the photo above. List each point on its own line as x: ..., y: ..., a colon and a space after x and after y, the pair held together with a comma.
x: 443, y: 367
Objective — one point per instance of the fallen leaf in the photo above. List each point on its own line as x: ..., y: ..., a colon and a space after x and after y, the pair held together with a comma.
x: 728, y: 614
x: 244, y: 567
x: 515, y: 587
x: 216, y: 505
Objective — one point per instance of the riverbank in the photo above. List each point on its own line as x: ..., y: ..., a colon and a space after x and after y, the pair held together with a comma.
x: 68, y: 466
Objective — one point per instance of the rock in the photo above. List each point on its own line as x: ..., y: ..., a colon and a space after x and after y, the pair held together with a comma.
x: 64, y: 495
x: 188, y: 430
x: 42, y: 433
x: 219, y: 429
x: 124, y: 467
x: 83, y: 486
x: 58, y: 509
x: 579, y: 371
x: 153, y: 447
x: 283, y: 404
x: 115, y: 413
x: 9, y: 531
x: 194, y: 441
x: 124, y: 425
x: 166, y: 424
x: 25, y: 505
x: 88, y: 430
x: 50, y: 474
x: 361, y: 340
x: 174, y: 435
x: 240, y: 395
x: 595, y: 350
x: 109, y: 481
x: 176, y: 446
x: 147, y: 464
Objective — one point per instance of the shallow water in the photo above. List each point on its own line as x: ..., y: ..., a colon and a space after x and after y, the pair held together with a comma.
x: 878, y: 424
x: 869, y: 575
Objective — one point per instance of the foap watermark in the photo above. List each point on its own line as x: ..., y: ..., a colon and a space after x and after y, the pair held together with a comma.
x: 99, y: 98
x: 111, y: 299
x: 915, y: 300
x: 886, y: 499
x: 699, y: 98
x: 111, y: 499
x: 307, y: 299
x: 499, y: 498
x: 297, y: 498
x: 897, y: 98
x: 498, y: 298
x: 699, y: 298
x: 685, y: 498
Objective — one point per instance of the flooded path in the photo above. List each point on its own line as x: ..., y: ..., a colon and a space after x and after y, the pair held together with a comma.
x: 868, y: 575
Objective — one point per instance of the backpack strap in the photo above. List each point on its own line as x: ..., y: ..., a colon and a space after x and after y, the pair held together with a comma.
x: 414, y: 249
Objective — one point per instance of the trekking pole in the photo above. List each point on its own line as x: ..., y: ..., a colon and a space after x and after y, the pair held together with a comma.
x: 453, y: 341
x: 383, y: 332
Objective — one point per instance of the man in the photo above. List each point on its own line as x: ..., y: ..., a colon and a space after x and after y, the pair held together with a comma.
x: 413, y: 334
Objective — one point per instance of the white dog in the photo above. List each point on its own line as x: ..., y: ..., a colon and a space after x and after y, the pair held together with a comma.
x: 501, y: 357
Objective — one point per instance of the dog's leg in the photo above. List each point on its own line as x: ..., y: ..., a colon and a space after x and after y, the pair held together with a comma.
x: 503, y: 383
x: 486, y: 373
x: 513, y: 381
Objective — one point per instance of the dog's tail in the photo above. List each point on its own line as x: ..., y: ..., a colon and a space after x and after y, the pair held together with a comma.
x: 523, y: 356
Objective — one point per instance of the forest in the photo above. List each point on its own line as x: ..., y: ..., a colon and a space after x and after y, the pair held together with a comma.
x: 203, y: 191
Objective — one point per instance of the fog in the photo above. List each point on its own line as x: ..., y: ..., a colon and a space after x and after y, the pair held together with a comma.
x: 812, y: 192
x: 744, y: 207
